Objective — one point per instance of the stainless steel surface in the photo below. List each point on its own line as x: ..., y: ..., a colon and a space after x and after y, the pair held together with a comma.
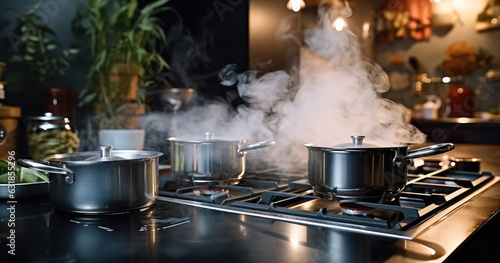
x: 175, y: 99
x: 43, y: 167
x: 342, y: 226
x: 106, y: 186
x: 176, y: 230
x: 104, y: 154
x: 357, y: 173
x: 210, y: 160
x: 171, y: 231
x: 257, y: 146
x: 94, y: 157
x: 423, y: 228
x: 357, y: 140
x: 69, y: 177
x: 105, y: 151
x: 429, y: 150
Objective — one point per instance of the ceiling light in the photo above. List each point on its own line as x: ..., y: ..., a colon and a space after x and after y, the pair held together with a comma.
x: 339, y: 24
x: 295, y: 5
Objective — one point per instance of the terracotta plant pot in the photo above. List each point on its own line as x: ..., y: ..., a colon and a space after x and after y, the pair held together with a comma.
x: 127, y: 79
x: 126, y: 118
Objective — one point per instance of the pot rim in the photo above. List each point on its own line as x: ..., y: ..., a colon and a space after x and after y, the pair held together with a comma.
x: 359, y: 149
x: 358, y: 145
x: 203, y: 141
x: 81, y: 158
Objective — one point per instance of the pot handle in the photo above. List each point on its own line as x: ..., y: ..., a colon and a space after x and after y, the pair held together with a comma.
x: 429, y: 150
x: 43, y: 167
x: 254, y: 146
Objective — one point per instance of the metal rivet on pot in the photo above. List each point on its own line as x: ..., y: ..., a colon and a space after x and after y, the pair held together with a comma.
x: 69, y: 179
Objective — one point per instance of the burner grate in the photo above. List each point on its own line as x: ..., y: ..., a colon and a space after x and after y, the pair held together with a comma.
x: 384, y: 215
x: 424, y: 196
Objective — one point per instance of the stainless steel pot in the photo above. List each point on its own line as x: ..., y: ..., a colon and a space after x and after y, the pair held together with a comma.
x: 210, y: 160
x: 363, y: 172
x: 100, y: 181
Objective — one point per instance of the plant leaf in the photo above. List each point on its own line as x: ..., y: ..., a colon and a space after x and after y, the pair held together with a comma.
x: 16, y: 58
x: 151, y: 7
x: 87, y: 99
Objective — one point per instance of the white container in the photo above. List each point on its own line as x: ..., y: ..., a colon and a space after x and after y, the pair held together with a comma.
x: 431, y: 107
x: 122, y: 139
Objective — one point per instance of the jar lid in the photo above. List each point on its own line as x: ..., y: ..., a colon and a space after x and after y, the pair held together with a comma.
x: 48, y: 116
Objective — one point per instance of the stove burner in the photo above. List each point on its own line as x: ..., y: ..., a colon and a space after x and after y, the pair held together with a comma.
x: 211, y: 190
x: 356, y: 209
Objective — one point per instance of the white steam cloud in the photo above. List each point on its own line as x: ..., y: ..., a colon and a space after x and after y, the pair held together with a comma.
x: 336, y: 95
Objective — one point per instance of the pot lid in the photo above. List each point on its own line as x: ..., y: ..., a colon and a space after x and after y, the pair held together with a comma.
x: 105, y: 154
x: 209, y: 138
x: 358, y: 144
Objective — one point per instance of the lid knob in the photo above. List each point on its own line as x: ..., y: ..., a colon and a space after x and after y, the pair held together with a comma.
x: 357, y: 139
x: 105, y: 151
x: 209, y: 136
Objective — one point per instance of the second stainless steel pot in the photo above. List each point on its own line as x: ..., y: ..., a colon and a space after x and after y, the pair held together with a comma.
x: 362, y: 172
x: 210, y: 160
x: 100, y: 182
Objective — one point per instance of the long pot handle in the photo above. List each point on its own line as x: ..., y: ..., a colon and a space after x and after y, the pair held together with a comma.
x: 429, y: 150
x: 43, y: 167
x: 256, y: 146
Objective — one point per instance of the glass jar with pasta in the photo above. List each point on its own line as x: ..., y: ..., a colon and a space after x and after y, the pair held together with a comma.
x: 50, y: 134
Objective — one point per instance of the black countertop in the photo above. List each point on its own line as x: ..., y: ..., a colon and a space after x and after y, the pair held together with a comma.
x: 172, y: 232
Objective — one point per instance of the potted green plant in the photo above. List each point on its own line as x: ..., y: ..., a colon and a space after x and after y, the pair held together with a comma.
x: 123, y: 39
x: 40, y: 53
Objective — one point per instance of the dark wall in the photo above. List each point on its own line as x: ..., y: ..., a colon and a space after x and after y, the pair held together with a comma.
x: 22, y: 88
x: 275, y: 35
x: 205, y: 37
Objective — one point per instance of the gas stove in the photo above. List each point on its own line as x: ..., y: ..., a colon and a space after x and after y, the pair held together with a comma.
x: 428, y: 197
x: 271, y: 216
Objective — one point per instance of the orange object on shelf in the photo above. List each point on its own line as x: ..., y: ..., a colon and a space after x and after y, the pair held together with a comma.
x: 8, y: 130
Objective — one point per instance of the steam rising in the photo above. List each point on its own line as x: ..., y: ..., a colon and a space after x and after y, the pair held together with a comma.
x: 334, y: 94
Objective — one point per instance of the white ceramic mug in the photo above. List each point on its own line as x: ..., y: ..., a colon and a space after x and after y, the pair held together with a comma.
x: 122, y: 139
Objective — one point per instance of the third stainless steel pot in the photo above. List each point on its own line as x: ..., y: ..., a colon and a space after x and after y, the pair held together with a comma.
x: 363, y: 172
x: 210, y: 160
x: 102, y: 181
